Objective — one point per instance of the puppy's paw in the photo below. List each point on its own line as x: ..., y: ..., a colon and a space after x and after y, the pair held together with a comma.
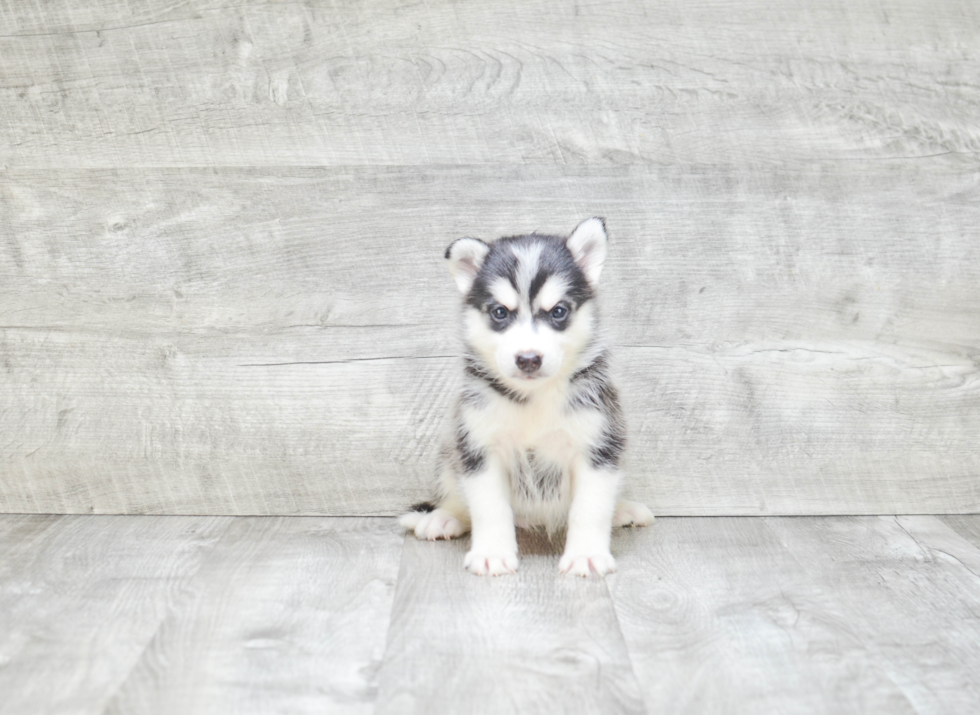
x: 576, y: 564
x: 490, y: 564
x: 631, y: 513
x: 439, y: 524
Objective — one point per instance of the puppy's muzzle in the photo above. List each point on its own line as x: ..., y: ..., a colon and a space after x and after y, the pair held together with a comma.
x: 529, y: 362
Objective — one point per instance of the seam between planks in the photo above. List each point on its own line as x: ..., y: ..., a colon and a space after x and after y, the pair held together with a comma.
x: 229, y: 520
x: 622, y: 640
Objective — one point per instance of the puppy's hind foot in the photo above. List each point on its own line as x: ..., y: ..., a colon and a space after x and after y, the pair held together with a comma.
x: 631, y: 513
x: 436, y: 524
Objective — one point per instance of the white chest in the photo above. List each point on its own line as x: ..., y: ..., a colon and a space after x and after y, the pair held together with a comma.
x: 542, y: 425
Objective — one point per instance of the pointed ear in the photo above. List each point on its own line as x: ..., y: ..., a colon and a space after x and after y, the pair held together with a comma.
x: 588, y: 246
x: 465, y: 256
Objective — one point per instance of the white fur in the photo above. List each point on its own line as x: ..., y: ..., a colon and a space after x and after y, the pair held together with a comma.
x: 551, y: 292
x: 437, y: 524
x: 588, y: 246
x: 542, y: 425
x: 560, y: 351
x: 561, y: 486
x: 465, y: 259
x: 494, y: 547
x: 631, y: 513
x: 529, y: 257
x: 589, y: 521
x: 505, y: 294
x: 525, y: 337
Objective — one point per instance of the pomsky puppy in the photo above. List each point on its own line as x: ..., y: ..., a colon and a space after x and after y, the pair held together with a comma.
x: 537, y: 432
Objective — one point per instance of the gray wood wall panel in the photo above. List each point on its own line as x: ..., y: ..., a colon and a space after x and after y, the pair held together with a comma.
x: 220, y: 83
x: 792, y: 289
x: 282, y: 341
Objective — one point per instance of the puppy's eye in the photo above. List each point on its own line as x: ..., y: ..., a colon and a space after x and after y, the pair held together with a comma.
x: 559, y: 312
x: 499, y: 313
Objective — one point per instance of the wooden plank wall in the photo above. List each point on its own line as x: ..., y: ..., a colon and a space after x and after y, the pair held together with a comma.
x: 221, y: 227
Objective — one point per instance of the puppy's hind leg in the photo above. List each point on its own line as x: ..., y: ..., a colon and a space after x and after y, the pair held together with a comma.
x: 631, y: 513
x: 447, y: 521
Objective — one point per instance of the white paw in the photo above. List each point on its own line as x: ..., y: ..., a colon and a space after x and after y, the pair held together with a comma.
x: 587, y: 564
x: 490, y: 564
x: 439, y: 524
x: 631, y: 513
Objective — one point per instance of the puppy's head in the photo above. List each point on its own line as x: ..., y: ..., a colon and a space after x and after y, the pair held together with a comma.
x: 527, y: 300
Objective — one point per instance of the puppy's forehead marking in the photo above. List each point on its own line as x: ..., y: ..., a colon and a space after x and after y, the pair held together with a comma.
x: 528, y: 257
x: 503, y: 292
x: 551, y: 292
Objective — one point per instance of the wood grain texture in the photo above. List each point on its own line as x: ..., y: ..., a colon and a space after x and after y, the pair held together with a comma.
x: 897, y: 571
x: 808, y: 615
x: 967, y: 527
x: 836, y: 615
x: 287, y: 615
x: 80, y: 599
x: 789, y: 341
x: 216, y: 83
x: 536, y: 642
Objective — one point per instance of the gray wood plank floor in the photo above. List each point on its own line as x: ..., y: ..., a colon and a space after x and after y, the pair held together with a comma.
x: 188, y: 614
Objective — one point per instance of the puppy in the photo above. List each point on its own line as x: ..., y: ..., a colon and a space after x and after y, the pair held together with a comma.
x: 537, y: 432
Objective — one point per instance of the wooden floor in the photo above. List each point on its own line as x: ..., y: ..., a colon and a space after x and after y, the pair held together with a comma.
x: 182, y: 614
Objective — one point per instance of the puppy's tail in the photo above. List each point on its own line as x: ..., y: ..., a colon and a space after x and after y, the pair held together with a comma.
x: 410, y: 520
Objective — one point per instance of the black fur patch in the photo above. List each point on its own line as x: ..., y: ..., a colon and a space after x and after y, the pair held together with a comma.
x: 609, y: 449
x: 597, y: 368
x: 598, y: 395
x: 472, y: 398
x: 474, y: 368
x: 538, y: 480
x: 547, y: 478
x: 554, y: 259
x: 423, y: 506
x: 537, y: 284
x: 591, y: 388
x: 495, y: 324
x: 472, y: 458
x: 556, y: 325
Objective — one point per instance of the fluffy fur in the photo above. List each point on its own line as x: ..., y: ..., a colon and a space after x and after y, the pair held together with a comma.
x: 537, y: 432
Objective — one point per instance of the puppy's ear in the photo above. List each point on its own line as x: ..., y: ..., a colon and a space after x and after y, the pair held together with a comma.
x: 465, y: 256
x: 588, y: 246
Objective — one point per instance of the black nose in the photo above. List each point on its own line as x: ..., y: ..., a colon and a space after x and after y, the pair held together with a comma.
x: 528, y: 362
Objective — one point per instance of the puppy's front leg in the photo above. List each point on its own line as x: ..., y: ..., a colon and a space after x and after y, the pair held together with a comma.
x: 590, y: 522
x: 493, y: 550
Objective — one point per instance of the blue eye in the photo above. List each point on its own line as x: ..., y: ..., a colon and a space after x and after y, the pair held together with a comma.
x: 499, y: 313
x: 559, y: 312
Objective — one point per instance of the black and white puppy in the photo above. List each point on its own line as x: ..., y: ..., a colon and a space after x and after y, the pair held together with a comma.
x: 537, y: 433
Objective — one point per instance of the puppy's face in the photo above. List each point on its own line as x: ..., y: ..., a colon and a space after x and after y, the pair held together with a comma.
x: 527, y: 300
